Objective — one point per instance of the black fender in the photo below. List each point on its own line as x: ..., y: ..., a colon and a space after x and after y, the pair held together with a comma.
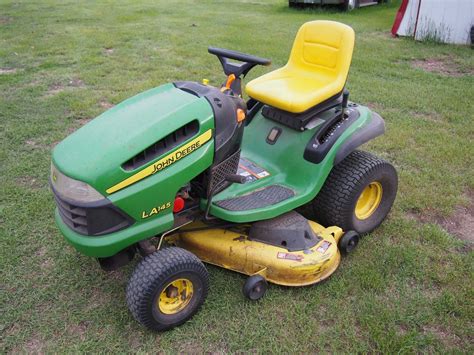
x: 374, y: 128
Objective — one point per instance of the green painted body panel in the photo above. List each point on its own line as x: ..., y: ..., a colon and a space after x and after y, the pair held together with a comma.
x: 286, y: 165
x: 95, y: 153
x: 151, y: 192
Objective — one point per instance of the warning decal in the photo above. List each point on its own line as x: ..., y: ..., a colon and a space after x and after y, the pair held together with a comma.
x: 289, y: 256
x: 323, y: 247
x: 251, y: 170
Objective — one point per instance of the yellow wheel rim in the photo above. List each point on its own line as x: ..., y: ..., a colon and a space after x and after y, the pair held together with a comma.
x: 369, y: 200
x: 175, y: 296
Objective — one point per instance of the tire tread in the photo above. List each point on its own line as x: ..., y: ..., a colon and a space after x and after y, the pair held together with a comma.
x: 151, y: 272
x: 332, y: 205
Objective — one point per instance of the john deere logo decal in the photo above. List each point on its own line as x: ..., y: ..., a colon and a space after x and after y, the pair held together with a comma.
x: 174, y: 157
x: 164, y: 162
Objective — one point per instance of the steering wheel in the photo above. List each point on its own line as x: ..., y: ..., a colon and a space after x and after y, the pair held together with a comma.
x: 238, y: 69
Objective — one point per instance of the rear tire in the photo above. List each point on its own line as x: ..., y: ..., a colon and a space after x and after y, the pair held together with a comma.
x: 167, y: 288
x: 341, y: 202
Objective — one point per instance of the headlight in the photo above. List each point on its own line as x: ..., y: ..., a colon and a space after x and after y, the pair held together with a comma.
x: 73, y: 189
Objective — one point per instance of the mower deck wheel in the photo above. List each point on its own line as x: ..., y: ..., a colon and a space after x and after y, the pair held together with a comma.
x: 167, y: 288
x: 348, y: 242
x: 255, y: 287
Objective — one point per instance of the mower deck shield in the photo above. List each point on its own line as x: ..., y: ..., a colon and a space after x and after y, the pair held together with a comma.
x: 235, y: 251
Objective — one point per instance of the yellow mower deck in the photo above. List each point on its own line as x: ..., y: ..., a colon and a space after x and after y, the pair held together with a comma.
x: 234, y: 251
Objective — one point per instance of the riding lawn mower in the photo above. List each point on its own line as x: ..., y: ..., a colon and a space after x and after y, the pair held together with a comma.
x: 272, y: 187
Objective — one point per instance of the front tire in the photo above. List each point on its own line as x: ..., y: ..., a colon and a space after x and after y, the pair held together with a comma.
x: 167, y: 288
x: 358, y: 193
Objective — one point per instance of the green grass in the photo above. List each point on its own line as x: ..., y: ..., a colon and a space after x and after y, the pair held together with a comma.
x: 407, y: 288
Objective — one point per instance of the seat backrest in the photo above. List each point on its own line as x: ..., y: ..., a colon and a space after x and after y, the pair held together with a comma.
x: 325, y: 47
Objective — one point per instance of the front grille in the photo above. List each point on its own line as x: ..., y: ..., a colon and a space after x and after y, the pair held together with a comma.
x: 96, y: 218
x: 75, y: 217
x: 220, y: 171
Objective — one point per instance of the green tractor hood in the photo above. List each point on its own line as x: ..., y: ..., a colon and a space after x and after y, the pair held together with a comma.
x: 95, y: 153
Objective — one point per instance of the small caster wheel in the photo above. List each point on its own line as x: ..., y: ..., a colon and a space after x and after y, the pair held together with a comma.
x: 348, y: 242
x: 255, y: 287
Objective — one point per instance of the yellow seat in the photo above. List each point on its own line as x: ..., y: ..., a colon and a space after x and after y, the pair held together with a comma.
x: 316, y: 71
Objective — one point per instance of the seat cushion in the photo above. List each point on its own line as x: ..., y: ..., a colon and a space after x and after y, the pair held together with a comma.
x: 316, y: 70
x: 292, y: 90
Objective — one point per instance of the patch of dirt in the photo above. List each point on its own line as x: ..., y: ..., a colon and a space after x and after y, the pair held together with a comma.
x: 40, y: 252
x: 78, y: 123
x: 79, y: 329
x: 34, y: 346
x: 11, y: 329
x: 59, y: 87
x: 55, y: 89
x: 30, y: 182
x: 83, y: 121
x: 118, y: 275
x: 190, y: 347
x: 431, y: 291
x: 134, y: 342
x: 5, y: 20
x: 77, y: 83
x: 326, y: 324
x: 460, y: 223
x: 432, y: 117
x: 402, y: 329
x: 445, y: 336
x: 444, y: 65
x: 99, y: 298
x: 34, y: 144
x: 384, y: 35
x: 54, y: 144
x: 374, y: 106
x: 106, y: 104
x: 47, y: 263
x: 7, y: 71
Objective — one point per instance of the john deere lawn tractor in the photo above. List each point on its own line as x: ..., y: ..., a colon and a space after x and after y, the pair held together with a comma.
x: 185, y: 173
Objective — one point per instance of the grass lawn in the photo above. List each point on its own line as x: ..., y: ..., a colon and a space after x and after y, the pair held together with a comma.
x: 407, y: 288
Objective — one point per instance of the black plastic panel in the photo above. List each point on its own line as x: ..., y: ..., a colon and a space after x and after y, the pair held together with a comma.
x: 290, y: 231
x: 97, y: 218
x: 267, y: 196
x: 228, y: 132
x: 298, y: 121
x: 327, y: 134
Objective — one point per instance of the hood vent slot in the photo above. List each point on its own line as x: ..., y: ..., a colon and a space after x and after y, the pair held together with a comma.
x: 163, y: 146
